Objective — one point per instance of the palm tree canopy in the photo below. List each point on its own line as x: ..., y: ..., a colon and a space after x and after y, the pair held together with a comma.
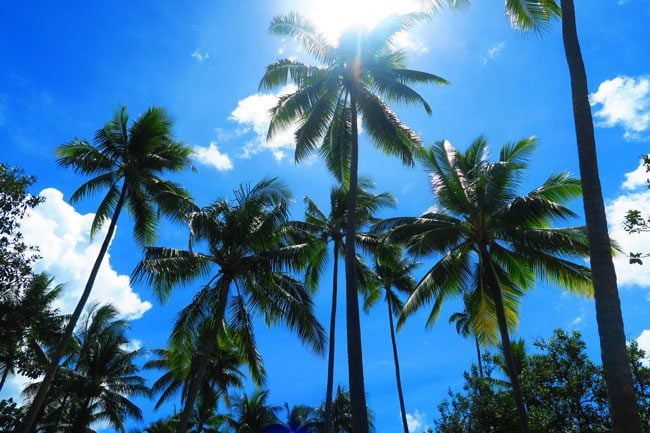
x: 129, y: 161
x: 480, y: 224
x: 251, y: 414
x: 360, y: 69
x: 320, y: 228
x: 101, y: 373
x: 222, y: 374
x: 525, y: 15
x: 245, y: 242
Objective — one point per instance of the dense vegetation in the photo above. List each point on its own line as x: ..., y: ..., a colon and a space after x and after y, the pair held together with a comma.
x: 488, y: 241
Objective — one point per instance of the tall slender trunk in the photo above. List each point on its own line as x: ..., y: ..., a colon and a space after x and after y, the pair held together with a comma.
x: 37, y: 403
x: 355, y: 355
x: 618, y: 378
x: 478, y: 355
x: 5, y: 373
x: 327, y: 418
x: 398, y: 376
x: 204, y: 359
x: 497, y: 296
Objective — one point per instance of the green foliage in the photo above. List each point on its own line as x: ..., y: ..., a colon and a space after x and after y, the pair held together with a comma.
x: 564, y: 390
x: 16, y: 257
x: 96, y: 378
x: 128, y: 161
x: 352, y: 77
x: 10, y: 415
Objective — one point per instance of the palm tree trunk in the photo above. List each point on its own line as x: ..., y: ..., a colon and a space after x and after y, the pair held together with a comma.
x: 398, y: 377
x: 478, y: 355
x: 327, y: 418
x: 5, y: 373
x: 37, y: 403
x: 204, y: 359
x: 493, y: 284
x: 355, y: 355
x: 618, y: 378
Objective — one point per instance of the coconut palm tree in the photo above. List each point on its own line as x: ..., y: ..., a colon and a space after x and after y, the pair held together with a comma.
x: 104, y: 375
x: 322, y: 229
x: 128, y: 161
x: 251, y: 414
x: 395, y: 277
x: 28, y: 322
x: 493, y: 243
x: 537, y: 15
x: 245, y: 259
x: 613, y: 344
x: 222, y: 373
x: 351, y: 79
x: 300, y: 419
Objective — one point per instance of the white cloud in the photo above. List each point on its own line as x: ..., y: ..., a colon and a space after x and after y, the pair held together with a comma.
x: 493, y: 52
x: 406, y: 41
x: 68, y: 254
x: 200, y: 56
x: 637, y: 178
x: 415, y: 421
x: 625, y: 101
x: 211, y: 155
x: 637, y: 199
x: 253, y: 113
x: 644, y: 344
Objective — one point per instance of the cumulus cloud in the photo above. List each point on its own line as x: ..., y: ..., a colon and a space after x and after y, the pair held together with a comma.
x: 212, y: 156
x: 637, y: 178
x: 253, y: 114
x: 638, y: 198
x: 493, y: 52
x: 133, y: 345
x: 415, y: 421
x: 68, y: 254
x: 624, y: 101
x: 200, y: 56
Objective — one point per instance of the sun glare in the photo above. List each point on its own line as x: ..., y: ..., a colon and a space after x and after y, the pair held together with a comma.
x: 334, y: 16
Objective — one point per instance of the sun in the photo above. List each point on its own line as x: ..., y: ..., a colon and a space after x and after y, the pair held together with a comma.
x: 333, y: 16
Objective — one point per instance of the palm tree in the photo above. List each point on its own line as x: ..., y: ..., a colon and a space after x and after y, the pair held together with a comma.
x: 27, y: 323
x: 613, y: 346
x: 222, y: 373
x: 342, y: 413
x: 128, y: 161
x: 251, y: 414
x: 352, y: 77
x: 322, y: 229
x: 494, y: 244
x: 98, y: 387
x: 394, y: 273
x: 246, y: 256
x: 536, y: 15
x: 300, y: 419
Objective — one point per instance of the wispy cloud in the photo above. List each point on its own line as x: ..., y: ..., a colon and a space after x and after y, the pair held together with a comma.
x: 200, y: 56
x: 212, y: 156
x: 624, y: 101
x: 493, y: 52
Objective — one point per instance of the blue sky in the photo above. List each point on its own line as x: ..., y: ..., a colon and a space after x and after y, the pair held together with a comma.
x: 65, y: 68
